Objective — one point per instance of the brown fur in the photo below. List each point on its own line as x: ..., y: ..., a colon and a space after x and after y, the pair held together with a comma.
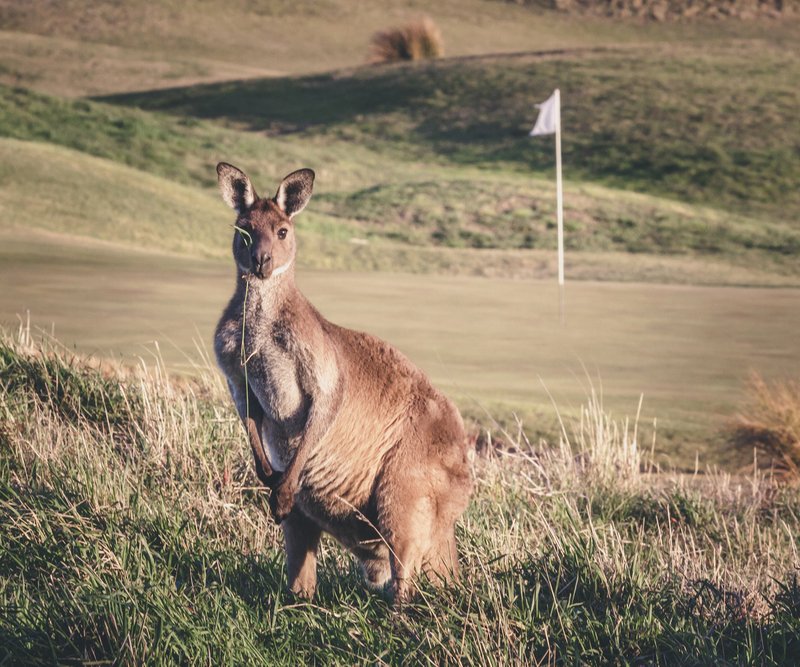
x: 350, y: 436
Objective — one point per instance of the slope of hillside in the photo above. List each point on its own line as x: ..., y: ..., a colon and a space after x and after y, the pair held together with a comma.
x: 712, y: 124
x: 155, y: 40
x: 132, y: 531
x: 50, y: 188
x: 77, y: 66
x: 367, y: 195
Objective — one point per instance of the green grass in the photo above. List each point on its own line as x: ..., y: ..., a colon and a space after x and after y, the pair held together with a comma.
x: 361, y: 195
x: 484, y: 211
x: 44, y: 187
x: 146, y: 541
x: 714, y: 124
x: 163, y: 146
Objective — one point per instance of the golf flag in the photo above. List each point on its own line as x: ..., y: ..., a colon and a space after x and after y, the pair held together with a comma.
x: 549, y: 122
x: 549, y: 116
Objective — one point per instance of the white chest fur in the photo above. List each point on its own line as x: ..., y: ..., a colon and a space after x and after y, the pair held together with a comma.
x: 274, y: 377
x: 276, y: 444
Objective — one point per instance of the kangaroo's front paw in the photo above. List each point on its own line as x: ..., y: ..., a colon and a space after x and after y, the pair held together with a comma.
x: 281, y: 500
x: 272, y: 481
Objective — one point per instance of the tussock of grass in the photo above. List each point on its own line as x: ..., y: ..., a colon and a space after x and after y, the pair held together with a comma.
x: 573, y: 553
x: 770, y: 422
x: 74, y: 390
x: 418, y: 40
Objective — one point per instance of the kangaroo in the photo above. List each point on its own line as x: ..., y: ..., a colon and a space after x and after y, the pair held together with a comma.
x: 351, y: 438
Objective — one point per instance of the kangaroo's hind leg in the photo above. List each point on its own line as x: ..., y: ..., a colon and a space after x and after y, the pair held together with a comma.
x: 375, y: 565
x: 425, y: 544
x: 409, y: 545
x: 418, y: 509
x: 406, y: 514
x: 441, y: 561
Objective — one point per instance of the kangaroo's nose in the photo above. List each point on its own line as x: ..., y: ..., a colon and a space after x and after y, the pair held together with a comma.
x: 260, y: 261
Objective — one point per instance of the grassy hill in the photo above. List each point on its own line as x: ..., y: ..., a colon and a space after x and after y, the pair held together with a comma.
x: 712, y: 124
x: 47, y: 188
x: 86, y: 47
x: 132, y: 531
x: 367, y: 193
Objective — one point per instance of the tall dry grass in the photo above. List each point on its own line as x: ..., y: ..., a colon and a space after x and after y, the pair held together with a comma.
x: 770, y: 422
x: 418, y: 40
x: 132, y: 532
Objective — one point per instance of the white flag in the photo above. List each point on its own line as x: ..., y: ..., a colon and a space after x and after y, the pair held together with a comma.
x: 548, y: 117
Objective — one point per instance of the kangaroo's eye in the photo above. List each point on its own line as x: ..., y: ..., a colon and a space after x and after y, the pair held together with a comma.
x: 282, y: 233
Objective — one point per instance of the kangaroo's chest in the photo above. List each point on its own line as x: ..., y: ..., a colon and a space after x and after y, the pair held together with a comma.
x: 274, y: 372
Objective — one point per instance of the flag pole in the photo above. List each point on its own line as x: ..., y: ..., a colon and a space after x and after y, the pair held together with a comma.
x: 559, y: 208
x: 549, y: 122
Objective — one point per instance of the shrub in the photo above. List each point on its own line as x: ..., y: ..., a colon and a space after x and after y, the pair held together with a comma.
x: 771, y: 423
x: 418, y: 40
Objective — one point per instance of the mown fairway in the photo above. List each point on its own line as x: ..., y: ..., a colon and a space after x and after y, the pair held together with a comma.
x: 495, y: 345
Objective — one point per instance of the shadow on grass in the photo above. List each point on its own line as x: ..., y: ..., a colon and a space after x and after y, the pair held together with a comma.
x: 632, y: 118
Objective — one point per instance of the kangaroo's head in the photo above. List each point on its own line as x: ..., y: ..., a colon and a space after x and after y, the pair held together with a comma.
x: 264, y: 242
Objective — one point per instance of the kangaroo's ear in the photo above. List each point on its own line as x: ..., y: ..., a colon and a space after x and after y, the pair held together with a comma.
x: 237, y: 191
x: 295, y: 191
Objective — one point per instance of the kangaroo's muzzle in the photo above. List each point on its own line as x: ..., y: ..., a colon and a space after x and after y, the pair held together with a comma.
x: 260, y: 263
